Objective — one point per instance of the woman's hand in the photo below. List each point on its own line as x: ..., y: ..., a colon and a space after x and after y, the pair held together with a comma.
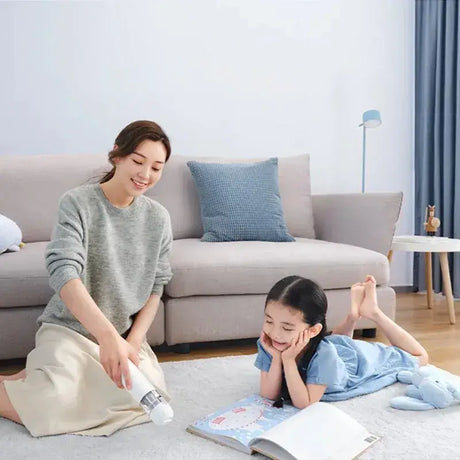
x: 136, y: 344
x: 114, y: 352
x: 266, y: 343
x: 297, y: 346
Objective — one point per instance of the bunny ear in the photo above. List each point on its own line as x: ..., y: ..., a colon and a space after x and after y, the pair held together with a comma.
x: 426, y: 371
x: 455, y: 390
x: 406, y: 403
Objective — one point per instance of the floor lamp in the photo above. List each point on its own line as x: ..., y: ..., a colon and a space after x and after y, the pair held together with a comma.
x: 371, y: 119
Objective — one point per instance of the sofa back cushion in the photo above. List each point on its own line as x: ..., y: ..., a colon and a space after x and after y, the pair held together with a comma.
x: 31, y: 185
x: 177, y: 192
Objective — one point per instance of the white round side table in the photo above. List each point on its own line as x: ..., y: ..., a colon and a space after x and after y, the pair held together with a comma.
x: 429, y: 244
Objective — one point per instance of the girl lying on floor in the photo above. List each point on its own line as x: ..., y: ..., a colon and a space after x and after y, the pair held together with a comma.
x: 300, y: 361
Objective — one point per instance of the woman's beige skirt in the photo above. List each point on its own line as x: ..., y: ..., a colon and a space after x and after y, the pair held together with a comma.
x: 67, y: 390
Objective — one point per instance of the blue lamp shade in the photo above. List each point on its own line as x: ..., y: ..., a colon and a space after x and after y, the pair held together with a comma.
x: 371, y: 119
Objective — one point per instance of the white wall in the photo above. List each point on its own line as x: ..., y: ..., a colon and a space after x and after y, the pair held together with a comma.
x: 242, y: 78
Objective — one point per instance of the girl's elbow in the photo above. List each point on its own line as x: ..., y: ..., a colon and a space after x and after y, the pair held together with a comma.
x: 423, y: 359
x: 268, y: 394
x: 302, y: 405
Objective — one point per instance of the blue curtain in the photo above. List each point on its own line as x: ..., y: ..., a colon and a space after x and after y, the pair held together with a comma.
x: 437, y: 130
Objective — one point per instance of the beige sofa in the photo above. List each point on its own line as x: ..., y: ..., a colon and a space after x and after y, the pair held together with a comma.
x: 218, y: 289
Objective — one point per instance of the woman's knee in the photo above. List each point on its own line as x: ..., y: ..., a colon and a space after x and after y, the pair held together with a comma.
x: 6, y: 408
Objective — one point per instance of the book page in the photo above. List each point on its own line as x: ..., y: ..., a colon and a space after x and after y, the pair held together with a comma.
x: 242, y: 421
x: 320, y: 431
x: 222, y: 440
x: 271, y: 450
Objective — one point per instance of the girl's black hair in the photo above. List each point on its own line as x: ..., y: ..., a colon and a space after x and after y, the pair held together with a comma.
x: 306, y: 296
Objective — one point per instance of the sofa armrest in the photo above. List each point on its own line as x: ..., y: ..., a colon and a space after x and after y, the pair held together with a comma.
x: 367, y: 220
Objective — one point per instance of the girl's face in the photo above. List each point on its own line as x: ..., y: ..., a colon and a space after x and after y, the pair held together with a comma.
x: 141, y: 169
x: 283, y: 324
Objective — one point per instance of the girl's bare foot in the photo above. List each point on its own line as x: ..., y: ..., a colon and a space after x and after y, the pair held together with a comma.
x: 347, y: 326
x: 18, y: 376
x: 369, y: 307
x: 357, y: 296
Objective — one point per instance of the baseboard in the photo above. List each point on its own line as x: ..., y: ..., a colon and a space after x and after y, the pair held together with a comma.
x: 399, y: 289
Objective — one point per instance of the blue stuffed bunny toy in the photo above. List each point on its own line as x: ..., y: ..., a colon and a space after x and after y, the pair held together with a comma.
x: 429, y: 388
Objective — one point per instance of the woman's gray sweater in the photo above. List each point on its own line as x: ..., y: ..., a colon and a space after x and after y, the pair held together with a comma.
x: 120, y: 254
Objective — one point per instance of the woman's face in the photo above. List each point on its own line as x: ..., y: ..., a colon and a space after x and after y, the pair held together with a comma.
x: 141, y: 169
x: 283, y: 324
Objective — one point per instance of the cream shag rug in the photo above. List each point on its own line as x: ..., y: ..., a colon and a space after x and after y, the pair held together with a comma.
x: 201, y: 386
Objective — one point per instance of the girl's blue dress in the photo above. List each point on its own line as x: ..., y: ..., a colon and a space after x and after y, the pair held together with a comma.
x: 349, y: 367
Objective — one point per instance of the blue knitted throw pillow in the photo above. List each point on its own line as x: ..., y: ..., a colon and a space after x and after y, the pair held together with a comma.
x: 240, y: 201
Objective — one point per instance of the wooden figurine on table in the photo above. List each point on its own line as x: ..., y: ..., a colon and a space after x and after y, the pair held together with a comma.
x: 431, y: 223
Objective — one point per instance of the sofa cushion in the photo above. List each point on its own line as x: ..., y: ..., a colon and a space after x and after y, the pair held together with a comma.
x: 240, y: 201
x: 253, y: 267
x: 24, y: 283
x: 24, y: 278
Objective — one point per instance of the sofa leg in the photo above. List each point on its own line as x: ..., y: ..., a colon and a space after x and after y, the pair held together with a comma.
x: 182, y: 348
x: 370, y: 333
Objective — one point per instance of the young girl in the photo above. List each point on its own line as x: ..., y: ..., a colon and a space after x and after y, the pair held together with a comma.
x: 108, y: 262
x: 300, y: 361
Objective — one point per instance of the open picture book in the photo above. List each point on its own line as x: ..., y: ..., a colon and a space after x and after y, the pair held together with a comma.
x: 320, y: 431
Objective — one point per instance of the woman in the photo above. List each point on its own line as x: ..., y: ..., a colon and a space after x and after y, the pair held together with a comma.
x: 108, y: 262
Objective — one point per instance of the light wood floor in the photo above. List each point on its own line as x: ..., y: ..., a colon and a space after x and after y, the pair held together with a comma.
x: 430, y: 327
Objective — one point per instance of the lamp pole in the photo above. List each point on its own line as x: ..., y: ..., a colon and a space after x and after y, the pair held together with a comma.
x: 371, y: 119
x: 363, y: 178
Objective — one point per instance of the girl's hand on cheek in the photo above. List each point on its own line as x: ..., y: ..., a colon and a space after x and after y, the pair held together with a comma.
x: 266, y: 343
x: 298, y: 344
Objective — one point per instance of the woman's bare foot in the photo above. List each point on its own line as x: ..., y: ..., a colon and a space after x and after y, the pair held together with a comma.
x: 369, y: 307
x: 18, y: 376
